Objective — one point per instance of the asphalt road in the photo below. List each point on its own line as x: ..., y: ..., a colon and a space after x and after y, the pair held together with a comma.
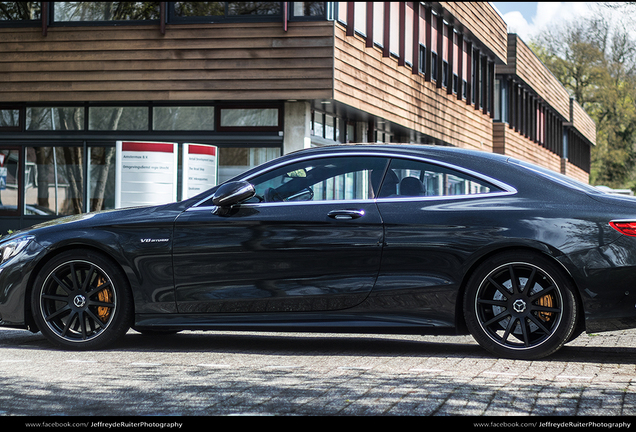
x: 223, y: 373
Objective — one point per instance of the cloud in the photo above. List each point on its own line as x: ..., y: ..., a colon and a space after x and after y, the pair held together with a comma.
x: 518, y: 24
x: 546, y: 15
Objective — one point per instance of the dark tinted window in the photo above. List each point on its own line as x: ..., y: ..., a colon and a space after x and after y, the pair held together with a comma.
x: 335, y: 178
x: 407, y: 178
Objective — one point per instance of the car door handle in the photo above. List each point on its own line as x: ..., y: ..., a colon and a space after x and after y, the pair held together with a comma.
x: 345, y: 214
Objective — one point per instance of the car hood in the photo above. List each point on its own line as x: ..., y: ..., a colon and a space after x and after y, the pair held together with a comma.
x: 120, y: 217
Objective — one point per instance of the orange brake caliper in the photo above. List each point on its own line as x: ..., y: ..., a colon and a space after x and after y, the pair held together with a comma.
x: 104, y: 296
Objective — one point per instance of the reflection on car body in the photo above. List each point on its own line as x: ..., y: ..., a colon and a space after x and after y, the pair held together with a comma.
x: 357, y: 238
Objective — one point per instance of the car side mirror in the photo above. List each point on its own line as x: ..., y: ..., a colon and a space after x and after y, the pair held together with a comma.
x: 232, y: 193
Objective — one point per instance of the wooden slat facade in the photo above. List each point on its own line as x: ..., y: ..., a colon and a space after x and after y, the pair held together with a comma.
x: 573, y: 171
x: 525, y: 65
x: 366, y: 80
x: 507, y: 142
x: 582, y: 122
x: 255, y: 61
x: 480, y: 19
x: 510, y: 143
x: 312, y: 60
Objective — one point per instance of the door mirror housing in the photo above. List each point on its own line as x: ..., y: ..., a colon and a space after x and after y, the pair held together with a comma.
x: 232, y: 193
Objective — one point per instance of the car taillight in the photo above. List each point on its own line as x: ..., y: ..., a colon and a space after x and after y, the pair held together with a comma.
x: 625, y: 227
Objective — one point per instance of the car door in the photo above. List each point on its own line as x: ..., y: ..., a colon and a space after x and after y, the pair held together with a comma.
x: 434, y: 218
x: 310, y: 240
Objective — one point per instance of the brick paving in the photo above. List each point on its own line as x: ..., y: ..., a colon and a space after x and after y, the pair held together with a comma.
x: 216, y: 373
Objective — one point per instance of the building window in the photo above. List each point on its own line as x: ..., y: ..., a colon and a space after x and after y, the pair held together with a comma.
x: 422, y: 59
x: 9, y: 177
x: 20, y: 12
x: 330, y: 127
x: 9, y: 119
x: 433, y: 66
x: 253, y: 8
x: 394, y: 29
x: 378, y: 23
x: 351, y: 133
x: 101, y: 178
x: 308, y: 9
x: 236, y: 160
x: 318, y: 127
x: 197, y: 9
x: 219, y: 11
x: 341, y: 12
x: 360, y: 18
x: 499, y: 98
x: 445, y: 73
x: 129, y: 118
x: 54, y: 118
x: 181, y: 118
x: 54, y: 180
x: 104, y: 11
x: 240, y: 118
x: 475, y: 82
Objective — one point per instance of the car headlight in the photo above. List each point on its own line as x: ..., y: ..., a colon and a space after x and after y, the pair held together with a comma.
x: 13, y: 247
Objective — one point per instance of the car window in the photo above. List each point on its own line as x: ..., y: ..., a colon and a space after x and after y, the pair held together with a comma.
x: 409, y: 178
x: 324, y: 179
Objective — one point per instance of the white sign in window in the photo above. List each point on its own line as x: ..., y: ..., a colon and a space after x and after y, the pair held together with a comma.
x: 146, y: 173
x: 199, y: 169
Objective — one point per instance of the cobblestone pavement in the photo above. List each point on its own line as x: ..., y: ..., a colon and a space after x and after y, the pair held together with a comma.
x: 223, y: 373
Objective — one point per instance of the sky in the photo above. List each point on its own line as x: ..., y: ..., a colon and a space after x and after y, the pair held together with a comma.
x: 528, y: 19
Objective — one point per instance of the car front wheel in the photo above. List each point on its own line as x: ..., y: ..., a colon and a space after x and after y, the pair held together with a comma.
x: 81, y: 300
x: 520, y: 305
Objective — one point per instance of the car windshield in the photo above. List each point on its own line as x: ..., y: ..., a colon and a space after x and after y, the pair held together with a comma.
x: 559, y: 178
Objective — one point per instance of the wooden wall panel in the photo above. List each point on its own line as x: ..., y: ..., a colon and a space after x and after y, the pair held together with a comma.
x: 523, y: 63
x: 481, y: 19
x: 190, y: 62
x: 575, y: 172
x: 583, y: 123
x: 508, y: 142
x: 366, y: 80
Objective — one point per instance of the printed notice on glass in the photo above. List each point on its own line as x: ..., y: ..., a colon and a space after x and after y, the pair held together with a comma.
x: 146, y: 173
x: 199, y: 169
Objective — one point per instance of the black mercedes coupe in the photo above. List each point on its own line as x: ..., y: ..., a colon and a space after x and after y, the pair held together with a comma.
x: 352, y: 238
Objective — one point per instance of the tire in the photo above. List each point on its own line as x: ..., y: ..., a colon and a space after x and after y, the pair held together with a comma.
x: 81, y: 300
x: 520, y: 306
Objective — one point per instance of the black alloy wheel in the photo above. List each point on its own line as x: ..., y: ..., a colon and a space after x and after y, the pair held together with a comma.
x: 520, y: 306
x: 81, y: 300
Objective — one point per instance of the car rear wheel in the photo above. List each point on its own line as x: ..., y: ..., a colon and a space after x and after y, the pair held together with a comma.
x: 520, y: 305
x: 81, y: 300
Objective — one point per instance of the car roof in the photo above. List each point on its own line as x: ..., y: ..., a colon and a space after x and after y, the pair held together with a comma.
x: 497, y: 168
x: 403, y: 149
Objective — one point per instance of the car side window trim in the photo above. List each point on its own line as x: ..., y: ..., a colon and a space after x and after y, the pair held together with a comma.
x: 432, y: 170
x: 506, y: 189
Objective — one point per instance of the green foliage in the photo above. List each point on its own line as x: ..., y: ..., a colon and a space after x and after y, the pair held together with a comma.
x: 595, y: 59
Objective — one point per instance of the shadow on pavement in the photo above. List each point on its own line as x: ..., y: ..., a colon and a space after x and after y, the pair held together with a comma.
x: 313, y: 344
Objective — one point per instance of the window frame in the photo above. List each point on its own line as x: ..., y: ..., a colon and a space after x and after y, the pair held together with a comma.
x: 87, y: 118
x: 21, y: 119
x: 172, y: 18
x: 220, y: 128
x: 36, y: 22
x: 53, y: 23
x: 20, y: 206
x: 152, y: 113
x: 292, y: 17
